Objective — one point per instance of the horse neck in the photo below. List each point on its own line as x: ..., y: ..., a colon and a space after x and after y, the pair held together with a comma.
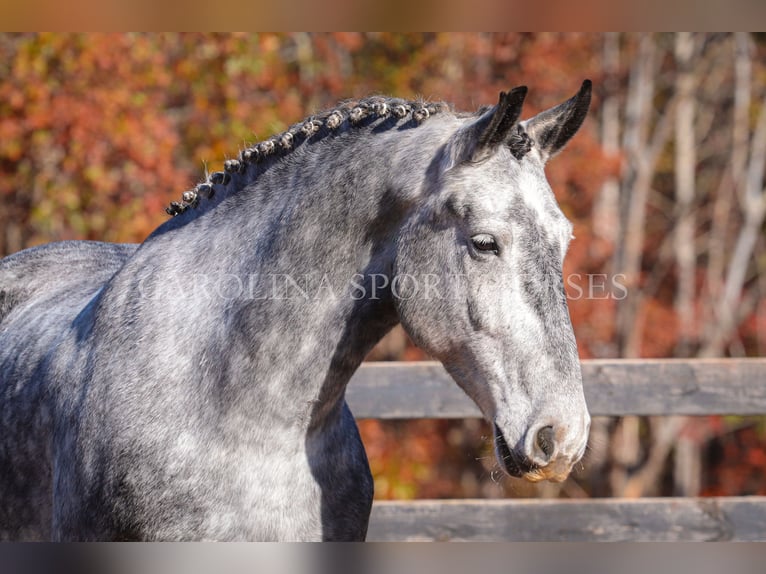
x: 329, y: 216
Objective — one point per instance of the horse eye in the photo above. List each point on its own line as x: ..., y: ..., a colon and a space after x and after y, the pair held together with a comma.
x: 484, y: 242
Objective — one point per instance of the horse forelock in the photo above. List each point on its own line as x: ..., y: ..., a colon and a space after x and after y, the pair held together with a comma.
x: 347, y: 115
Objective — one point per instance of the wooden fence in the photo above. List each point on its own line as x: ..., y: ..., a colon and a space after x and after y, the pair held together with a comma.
x: 612, y: 388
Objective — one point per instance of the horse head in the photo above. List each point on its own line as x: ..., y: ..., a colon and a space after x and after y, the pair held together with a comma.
x: 489, y: 241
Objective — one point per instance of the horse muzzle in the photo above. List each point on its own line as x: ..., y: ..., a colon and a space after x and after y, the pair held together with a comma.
x: 547, y: 453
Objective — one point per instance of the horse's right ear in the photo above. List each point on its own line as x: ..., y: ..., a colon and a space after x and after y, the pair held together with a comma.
x: 481, y: 138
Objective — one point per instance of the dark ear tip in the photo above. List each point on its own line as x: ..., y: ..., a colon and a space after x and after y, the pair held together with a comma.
x: 582, y: 99
x: 519, y: 92
x: 516, y: 94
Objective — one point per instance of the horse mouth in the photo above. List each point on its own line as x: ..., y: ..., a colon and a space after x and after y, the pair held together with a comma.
x: 519, y: 466
x: 512, y: 463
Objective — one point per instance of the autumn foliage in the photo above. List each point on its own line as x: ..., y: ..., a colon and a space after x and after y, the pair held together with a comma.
x: 98, y: 132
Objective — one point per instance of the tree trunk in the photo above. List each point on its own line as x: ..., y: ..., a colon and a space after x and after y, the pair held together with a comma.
x: 719, y: 248
x: 685, y: 167
x: 606, y: 214
x: 642, y: 153
x: 753, y: 206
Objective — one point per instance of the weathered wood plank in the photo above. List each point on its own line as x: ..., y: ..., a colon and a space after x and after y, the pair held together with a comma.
x: 618, y: 387
x: 593, y: 520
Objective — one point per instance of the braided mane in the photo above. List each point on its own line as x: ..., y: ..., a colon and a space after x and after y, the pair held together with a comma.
x: 347, y: 115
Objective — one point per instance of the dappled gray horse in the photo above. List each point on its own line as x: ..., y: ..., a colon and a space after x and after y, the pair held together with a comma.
x: 193, y: 387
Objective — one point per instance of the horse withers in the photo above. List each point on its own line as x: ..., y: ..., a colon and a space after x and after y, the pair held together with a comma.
x: 192, y: 387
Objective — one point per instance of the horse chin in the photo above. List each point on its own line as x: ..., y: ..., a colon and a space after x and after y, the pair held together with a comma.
x: 531, y: 473
x: 546, y: 473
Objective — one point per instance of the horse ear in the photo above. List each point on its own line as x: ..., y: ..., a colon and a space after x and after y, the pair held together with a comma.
x: 552, y: 129
x: 481, y: 138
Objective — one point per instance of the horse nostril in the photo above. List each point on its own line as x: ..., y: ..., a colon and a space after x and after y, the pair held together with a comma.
x: 545, y: 440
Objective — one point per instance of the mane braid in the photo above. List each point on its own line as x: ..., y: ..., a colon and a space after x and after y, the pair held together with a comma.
x: 349, y: 114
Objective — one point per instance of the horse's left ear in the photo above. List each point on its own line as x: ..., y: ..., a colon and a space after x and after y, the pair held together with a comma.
x: 553, y: 128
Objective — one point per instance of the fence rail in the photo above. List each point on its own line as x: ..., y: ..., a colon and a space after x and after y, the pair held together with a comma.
x: 613, y: 388
x: 593, y: 520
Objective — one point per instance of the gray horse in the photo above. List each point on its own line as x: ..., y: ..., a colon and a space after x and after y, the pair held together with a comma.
x: 192, y: 387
